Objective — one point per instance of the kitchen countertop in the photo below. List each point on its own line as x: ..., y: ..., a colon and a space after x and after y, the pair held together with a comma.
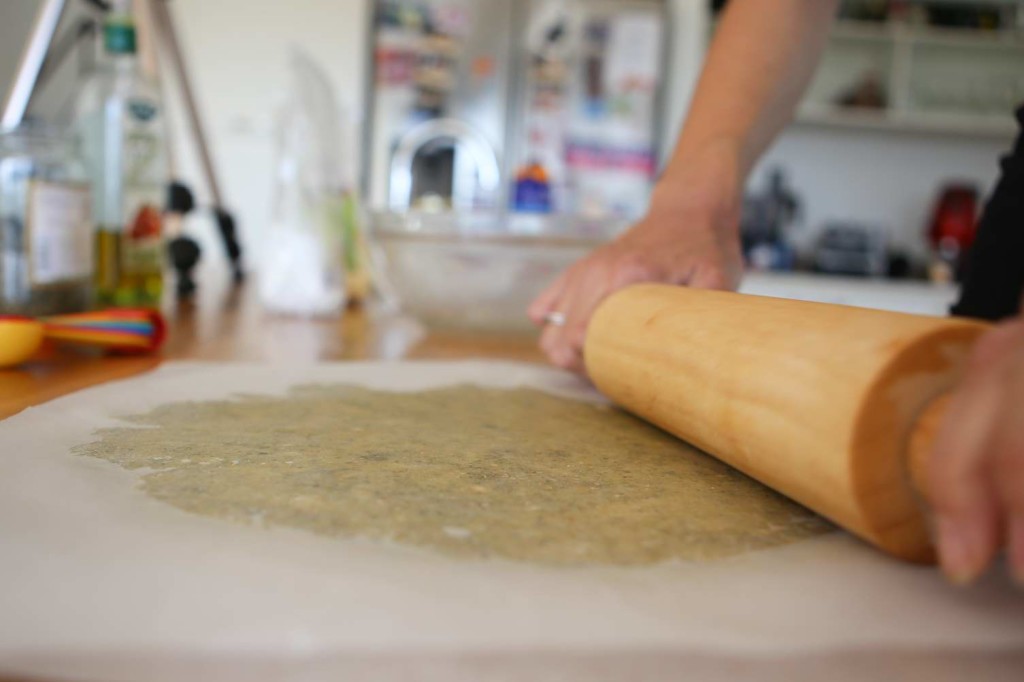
x: 228, y: 325
x: 224, y: 324
x: 905, y: 296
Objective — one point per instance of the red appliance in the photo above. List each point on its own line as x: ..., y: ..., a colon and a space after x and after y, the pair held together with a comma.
x: 955, y: 219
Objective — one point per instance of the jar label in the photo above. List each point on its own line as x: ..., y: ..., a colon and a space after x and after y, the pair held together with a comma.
x: 60, y: 233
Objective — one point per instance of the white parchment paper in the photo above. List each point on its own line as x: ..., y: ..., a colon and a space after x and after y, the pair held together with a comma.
x: 96, y: 579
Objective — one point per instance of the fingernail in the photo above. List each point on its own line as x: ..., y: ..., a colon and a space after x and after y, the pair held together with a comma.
x: 958, y: 551
x: 1015, y: 549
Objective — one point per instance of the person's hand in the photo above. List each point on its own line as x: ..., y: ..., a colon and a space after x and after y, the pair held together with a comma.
x: 689, y: 237
x: 976, y: 472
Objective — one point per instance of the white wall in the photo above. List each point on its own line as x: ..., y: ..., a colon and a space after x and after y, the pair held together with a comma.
x: 238, y: 54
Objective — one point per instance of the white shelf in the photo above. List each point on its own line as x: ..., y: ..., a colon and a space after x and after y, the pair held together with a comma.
x: 903, y: 54
x: 928, y: 35
x: 902, y: 40
x: 847, y: 29
x: 937, y: 123
x: 904, y: 296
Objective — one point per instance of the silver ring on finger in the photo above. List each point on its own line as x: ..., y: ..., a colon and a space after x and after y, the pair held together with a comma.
x: 555, y: 319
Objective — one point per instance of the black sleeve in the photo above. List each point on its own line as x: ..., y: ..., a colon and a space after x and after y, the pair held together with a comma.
x: 994, y: 277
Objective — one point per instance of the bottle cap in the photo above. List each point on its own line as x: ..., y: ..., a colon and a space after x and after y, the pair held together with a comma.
x: 119, y: 36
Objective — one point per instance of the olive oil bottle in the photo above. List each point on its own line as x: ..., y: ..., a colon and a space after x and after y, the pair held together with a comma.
x: 120, y: 125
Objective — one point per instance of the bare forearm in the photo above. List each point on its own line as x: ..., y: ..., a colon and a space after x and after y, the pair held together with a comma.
x: 760, y: 62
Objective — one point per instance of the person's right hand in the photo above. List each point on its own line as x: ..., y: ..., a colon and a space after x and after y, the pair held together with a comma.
x: 976, y: 473
x: 689, y: 237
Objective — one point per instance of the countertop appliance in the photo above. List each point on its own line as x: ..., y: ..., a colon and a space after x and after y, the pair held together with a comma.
x: 852, y: 249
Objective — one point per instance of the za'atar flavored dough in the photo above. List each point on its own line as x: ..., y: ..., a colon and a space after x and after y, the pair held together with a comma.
x: 468, y: 471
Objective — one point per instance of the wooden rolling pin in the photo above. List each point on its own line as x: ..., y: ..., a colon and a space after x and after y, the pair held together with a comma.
x: 820, y: 402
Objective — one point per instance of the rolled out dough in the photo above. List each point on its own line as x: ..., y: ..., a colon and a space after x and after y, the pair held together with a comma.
x: 478, y: 472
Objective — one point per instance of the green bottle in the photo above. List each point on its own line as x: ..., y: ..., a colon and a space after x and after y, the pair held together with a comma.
x: 120, y: 124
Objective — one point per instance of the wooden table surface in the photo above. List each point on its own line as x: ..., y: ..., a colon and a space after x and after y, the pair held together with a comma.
x: 226, y: 324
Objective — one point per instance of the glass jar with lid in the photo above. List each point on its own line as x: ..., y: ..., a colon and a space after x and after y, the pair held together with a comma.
x: 46, y: 227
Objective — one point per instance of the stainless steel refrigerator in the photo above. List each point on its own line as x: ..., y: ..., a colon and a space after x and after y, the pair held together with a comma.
x: 529, y: 108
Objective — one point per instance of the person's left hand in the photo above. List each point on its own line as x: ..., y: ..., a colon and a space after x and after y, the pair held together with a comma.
x: 976, y: 472
x: 689, y: 237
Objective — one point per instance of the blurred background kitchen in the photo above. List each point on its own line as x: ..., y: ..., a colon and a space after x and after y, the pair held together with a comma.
x: 453, y: 156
